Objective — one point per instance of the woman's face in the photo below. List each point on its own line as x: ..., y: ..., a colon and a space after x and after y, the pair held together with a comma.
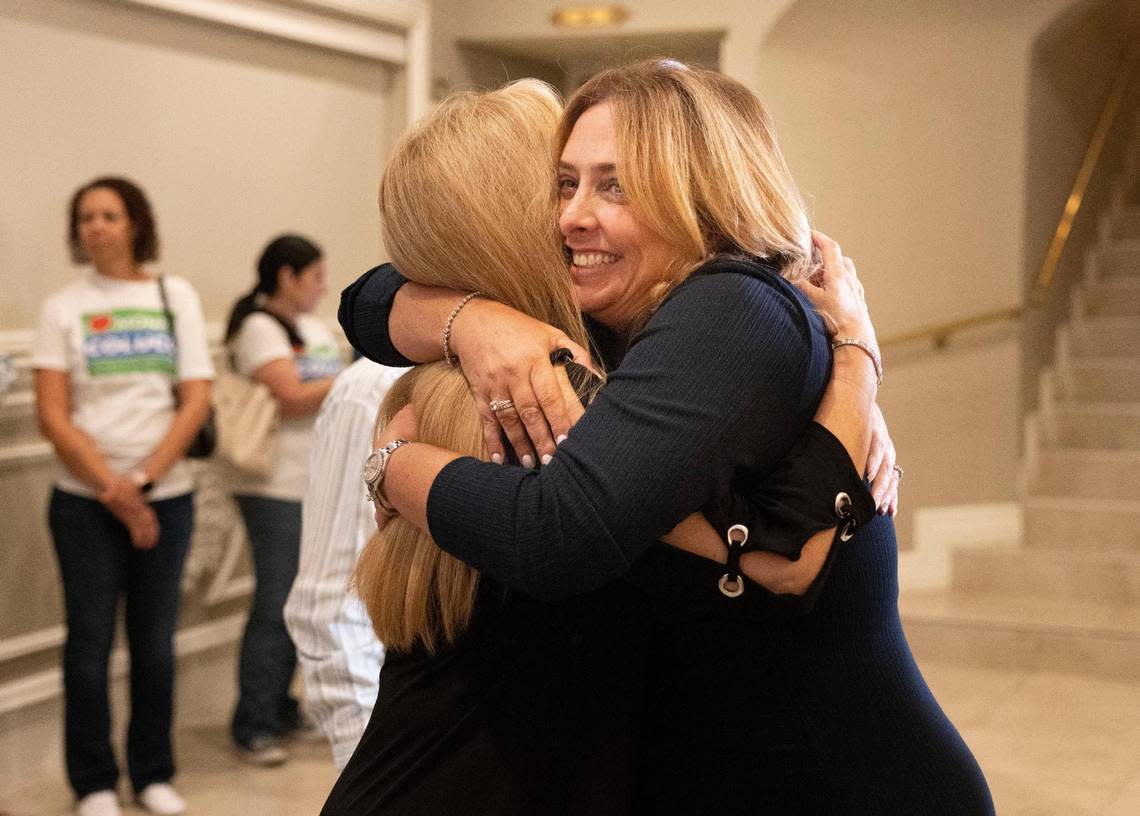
x: 616, y: 259
x: 305, y: 290
x: 105, y: 230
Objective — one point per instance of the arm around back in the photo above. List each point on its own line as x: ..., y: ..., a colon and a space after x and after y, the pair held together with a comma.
x: 725, y: 375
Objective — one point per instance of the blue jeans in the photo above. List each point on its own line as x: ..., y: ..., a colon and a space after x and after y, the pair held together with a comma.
x: 98, y: 565
x: 268, y: 656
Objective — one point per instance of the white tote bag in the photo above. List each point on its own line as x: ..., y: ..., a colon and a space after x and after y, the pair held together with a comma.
x: 247, y: 420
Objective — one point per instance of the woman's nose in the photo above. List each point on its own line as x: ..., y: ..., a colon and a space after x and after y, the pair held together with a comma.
x: 577, y: 215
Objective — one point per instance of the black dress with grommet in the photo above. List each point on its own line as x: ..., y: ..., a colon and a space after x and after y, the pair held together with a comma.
x: 750, y: 702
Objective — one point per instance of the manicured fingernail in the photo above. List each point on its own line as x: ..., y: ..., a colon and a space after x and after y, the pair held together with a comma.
x: 561, y: 438
x: 527, y: 461
x: 546, y: 459
x: 497, y: 458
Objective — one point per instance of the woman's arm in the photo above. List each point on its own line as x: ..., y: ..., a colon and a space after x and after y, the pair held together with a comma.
x: 74, y: 448
x: 295, y: 397
x: 396, y: 322
x: 79, y: 454
x: 193, y: 409
x: 717, y: 380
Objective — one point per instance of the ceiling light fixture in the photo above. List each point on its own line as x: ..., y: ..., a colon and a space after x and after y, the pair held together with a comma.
x: 589, y: 16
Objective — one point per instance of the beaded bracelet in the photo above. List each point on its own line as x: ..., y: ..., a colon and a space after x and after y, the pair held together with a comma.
x: 451, y: 359
x: 868, y: 349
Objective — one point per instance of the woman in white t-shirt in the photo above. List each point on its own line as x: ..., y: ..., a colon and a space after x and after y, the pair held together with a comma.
x: 273, y: 338
x: 122, y: 387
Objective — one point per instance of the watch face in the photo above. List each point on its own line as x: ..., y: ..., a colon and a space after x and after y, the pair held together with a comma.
x: 373, y: 469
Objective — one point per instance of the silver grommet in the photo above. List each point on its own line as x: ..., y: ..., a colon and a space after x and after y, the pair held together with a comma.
x: 847, y: 532
x: 737, y: 534
x: 842, y: 504
x: 731, y: 587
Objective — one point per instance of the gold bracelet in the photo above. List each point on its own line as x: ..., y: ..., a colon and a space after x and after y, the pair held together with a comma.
x: 868, y: 349
x: 451, y: 359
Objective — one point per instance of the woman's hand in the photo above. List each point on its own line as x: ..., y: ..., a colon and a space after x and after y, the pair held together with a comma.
x: 123, y: 499
x: 505, y: 355
x: 880, y: 469
x: 837, y: 294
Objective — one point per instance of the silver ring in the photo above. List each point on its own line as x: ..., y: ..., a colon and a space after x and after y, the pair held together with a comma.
x: 500, y: 405
x: 899, y: 471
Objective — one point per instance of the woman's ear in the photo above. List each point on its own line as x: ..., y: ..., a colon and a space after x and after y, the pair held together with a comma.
x: 286, y: 275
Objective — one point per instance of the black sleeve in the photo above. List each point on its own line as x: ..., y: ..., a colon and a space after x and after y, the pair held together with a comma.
x: 799, y: 497
x: 726, y: 375
x: 363, y: 314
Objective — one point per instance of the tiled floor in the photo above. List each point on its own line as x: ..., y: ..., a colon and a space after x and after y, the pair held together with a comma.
x: 1049, y: 743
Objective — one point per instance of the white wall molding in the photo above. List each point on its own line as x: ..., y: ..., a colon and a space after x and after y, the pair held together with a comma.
x: 22, y: 645
x: 390, y: 31
x: 48, y: 684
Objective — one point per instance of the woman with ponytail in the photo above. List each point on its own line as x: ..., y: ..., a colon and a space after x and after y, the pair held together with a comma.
x: 273, y: 338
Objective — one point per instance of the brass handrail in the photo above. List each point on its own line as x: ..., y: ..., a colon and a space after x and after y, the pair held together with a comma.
x: 939, y: 334
x: 1084, y: 176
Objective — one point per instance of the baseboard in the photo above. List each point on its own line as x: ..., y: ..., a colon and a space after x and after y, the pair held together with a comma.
x: 48, y: 684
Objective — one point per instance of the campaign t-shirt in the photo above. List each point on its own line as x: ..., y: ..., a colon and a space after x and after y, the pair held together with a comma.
x: 111, y: 337
x: 261, y: 340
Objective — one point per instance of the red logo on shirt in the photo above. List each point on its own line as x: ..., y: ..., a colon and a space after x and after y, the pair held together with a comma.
x: 100, y: 323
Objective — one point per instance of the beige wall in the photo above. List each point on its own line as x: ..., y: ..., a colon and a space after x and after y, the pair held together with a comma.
x: 742, y: 21
x: 906, y: 125
x: 234, y: 136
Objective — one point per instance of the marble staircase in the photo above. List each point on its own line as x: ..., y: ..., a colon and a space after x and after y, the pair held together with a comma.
x: 1063, y: 592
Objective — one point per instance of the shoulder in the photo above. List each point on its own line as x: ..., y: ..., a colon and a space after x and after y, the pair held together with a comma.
x: 260, y: 328
x: 364, y: 381
x: 740, y: 296
x: 179, y: 287
x: 71, y: 296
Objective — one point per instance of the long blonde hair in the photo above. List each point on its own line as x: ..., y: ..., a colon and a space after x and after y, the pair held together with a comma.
x: 467, y: 202
x: 699, y: 162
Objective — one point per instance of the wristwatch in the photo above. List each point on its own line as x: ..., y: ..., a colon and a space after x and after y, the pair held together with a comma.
x: 142, y: 480
x: 374, y: 467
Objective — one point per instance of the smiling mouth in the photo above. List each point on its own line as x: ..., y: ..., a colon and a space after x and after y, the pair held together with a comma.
x: 589, y: 260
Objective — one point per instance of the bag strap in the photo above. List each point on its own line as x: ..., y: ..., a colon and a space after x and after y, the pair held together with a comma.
x: 173, y: 334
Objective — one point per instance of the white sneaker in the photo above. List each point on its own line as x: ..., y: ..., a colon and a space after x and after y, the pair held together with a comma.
x: 162, y: 800
x: 99, y: 803
x: 265, y: 751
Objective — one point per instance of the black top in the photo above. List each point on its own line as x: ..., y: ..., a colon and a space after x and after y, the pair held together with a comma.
x: 798, y: 713
x: 531, y: 712
x: 729, y: 370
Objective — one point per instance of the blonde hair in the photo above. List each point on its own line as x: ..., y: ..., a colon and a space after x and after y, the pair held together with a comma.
x: 467, y: 202
x: 699, y: 162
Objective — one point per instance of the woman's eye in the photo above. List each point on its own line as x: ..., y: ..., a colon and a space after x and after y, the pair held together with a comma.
x: 612, y: 186
x: 566, y: 187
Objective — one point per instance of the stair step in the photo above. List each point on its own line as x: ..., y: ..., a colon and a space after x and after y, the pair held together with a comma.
x: 1111, y: 576
x: 1087, y: 472
x: 1114, y: 380
x: 1120, y: 259
x: 1023, y: 632
x: 1113, y: 297
x: 1098, y: 425
x: 1117, y: 336
x: 1081, y: 524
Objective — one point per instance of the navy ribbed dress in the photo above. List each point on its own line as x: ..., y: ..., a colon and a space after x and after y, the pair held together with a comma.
x: 750, y: 704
